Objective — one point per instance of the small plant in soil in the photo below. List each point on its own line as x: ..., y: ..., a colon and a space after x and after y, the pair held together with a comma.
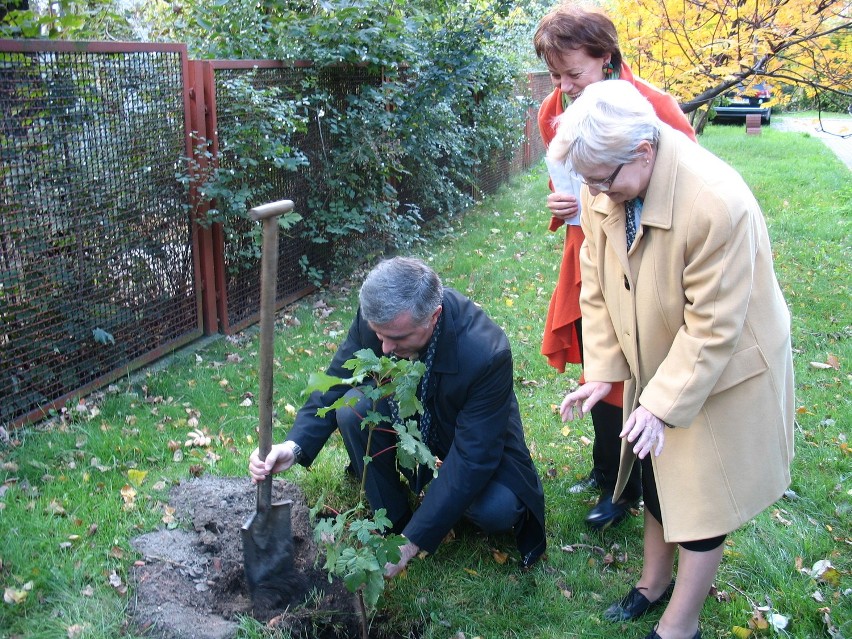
x: 356, y: 550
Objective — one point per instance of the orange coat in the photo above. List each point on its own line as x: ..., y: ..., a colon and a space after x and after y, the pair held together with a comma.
x: 560, y: 343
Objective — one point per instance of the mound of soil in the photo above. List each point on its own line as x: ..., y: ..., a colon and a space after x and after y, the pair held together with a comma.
x: 191, y: 583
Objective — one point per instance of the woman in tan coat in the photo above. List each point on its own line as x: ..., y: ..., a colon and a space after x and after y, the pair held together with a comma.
x: 680, y: 301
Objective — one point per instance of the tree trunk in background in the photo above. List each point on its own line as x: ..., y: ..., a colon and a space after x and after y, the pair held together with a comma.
x: 698, y: 119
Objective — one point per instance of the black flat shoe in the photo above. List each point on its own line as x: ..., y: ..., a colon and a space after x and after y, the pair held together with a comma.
x: 605, y: 513
x: 653, y: 634
x: 635, y: 604
x: 583, y: 485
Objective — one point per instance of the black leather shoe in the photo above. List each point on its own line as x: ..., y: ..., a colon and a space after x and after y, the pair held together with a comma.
x: 605, y: 513
x: 653, y: 634
x: 583, y: 485
x: 635, y: 604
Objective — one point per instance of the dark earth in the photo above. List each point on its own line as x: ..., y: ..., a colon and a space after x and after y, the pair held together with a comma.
x: 190, y: 583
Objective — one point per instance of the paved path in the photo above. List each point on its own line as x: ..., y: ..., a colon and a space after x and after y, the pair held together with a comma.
x: 842, y: 146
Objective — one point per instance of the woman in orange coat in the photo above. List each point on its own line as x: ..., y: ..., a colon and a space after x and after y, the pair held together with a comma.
x: 580, y: 47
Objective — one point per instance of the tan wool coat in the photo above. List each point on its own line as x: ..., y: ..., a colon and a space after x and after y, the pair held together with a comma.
x: 695, y: 322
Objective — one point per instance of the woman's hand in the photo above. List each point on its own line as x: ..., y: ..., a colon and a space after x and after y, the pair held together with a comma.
x: 280, y: 457
x: 563, y: 205
x: 583, y: 399
x: 647, y: 430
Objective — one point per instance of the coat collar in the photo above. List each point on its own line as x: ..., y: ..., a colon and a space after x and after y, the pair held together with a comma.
x: 659, y: 201
x: 657, y: 207
x: 446, y: 355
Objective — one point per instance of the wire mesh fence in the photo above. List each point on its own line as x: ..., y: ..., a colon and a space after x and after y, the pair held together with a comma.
x: 96, y: 252
x: 102, y: 265
x: 237, y: 260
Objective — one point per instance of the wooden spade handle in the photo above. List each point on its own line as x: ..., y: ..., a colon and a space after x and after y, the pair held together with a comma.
x: 268, y: 213
x: 273, y: 209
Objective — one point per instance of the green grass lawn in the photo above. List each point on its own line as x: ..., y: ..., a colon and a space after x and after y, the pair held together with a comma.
x: 66, y: 518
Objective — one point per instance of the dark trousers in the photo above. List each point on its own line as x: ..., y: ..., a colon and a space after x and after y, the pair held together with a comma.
x: 607, y: 421
x: 495, y: 510
x: 606, y: 451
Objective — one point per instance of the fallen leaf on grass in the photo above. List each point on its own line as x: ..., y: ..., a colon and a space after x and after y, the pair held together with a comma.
x: 779, y: 622
x: 471, y: 572
x: 15, y: 596
x: 499, y: 556
x: 722, y: 596
x: 197, y: 438
x: 776, y: 514
x: 833, y: 631
x: 128, y: 494
x: 825, y: 572
x: 758, y: 621
x: 76, y: 630
x: 741, y: 633
x: 136, y: 476
x: 118, y: 585
x: 55, y: 508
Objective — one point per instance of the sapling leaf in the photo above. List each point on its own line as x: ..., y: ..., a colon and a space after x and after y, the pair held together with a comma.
x: 411, y: 451
x: 387, y: 549
x: 355, y: 549
x: 374, y: 586
x: 322, y: 382
x: 381, y: 519
x: 341, y: 402
x: 364, y: 360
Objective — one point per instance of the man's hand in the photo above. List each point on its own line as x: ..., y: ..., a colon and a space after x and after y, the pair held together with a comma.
x: 406, y: 553
x: 583, y: 399
x: 280, y: 457
x: 647, y: 430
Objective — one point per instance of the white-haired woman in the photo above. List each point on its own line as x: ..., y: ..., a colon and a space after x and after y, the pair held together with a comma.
x: 680, y: 301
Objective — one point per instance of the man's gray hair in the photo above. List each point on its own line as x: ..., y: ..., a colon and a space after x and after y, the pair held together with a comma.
x: 398, y: 285
x: 604, y: 126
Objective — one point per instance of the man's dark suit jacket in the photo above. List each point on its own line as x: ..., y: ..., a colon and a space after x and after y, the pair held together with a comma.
x: 476, y: 420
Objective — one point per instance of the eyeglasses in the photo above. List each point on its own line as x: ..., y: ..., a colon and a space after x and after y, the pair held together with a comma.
x: 604, y: 185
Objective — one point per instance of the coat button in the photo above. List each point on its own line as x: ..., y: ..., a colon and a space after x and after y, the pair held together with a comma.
x: 626, y: 283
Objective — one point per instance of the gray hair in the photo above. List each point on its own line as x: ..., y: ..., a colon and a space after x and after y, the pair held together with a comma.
x: 398, y: 285
x: 604, y: 126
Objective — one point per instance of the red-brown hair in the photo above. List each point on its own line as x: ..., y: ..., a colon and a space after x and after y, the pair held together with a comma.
x: 572, y: 27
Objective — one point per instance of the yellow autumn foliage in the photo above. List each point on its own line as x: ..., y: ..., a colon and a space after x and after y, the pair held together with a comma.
x: 697, y: 49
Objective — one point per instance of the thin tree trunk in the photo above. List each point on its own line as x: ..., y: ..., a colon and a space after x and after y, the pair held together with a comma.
x: 364, y: 633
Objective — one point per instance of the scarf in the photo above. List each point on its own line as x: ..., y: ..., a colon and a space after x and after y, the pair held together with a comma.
x: 425, y: 425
